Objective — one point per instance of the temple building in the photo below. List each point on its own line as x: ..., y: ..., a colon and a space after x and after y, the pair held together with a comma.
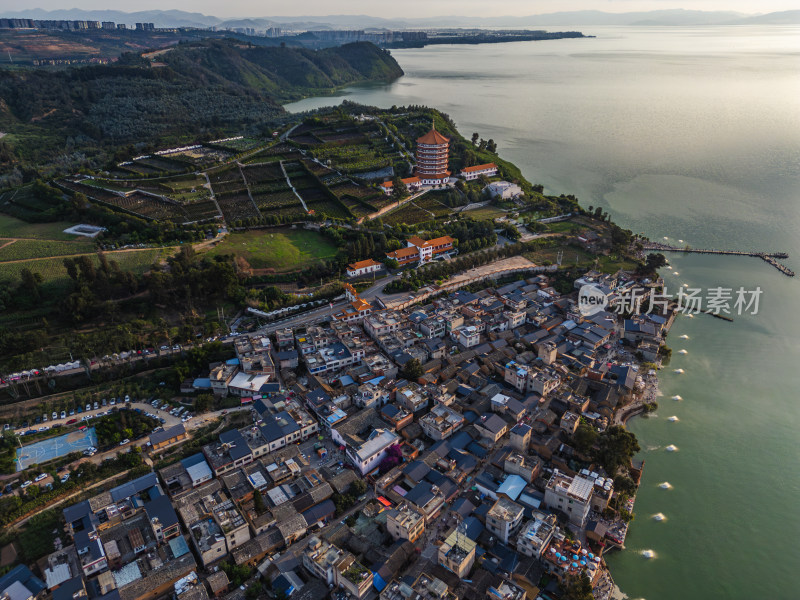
x: 433, y: 153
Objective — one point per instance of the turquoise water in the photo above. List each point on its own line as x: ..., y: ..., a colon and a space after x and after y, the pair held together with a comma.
x: 694, y: 134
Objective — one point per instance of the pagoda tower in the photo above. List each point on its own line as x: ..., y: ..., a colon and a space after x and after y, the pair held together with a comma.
x: 433, y: 154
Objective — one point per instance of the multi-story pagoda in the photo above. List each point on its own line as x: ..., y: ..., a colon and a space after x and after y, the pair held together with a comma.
x: 433, y: 153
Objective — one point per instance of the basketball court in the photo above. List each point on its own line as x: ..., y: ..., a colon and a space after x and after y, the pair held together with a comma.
x: 41, y: 452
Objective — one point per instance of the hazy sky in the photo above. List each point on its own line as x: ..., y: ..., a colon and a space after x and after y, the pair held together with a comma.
x: 406, y: 8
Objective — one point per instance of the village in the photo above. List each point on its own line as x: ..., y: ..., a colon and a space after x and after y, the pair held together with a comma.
x: 447, y: 449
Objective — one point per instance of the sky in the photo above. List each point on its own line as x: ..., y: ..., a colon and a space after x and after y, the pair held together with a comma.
x: 406, y: 8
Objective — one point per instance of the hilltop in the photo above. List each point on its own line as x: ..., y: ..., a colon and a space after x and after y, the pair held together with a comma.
x: 208, y: 87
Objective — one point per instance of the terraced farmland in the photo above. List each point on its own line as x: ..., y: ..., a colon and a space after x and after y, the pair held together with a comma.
x: 28, y: 249
x: 52, y: 269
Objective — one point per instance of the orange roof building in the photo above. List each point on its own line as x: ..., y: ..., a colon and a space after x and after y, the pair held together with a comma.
x: 363, y: 267
x: 412, y: 183
x: 422, y: 250
x: 433, y: 157
x: 470, y: 173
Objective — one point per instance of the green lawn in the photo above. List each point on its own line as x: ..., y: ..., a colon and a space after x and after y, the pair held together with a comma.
x: 486, y: 213
x: 282, y: 250
x: 14, y: 228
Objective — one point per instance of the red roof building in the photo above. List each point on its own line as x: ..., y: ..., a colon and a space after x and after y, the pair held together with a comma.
x: 433, y: 157
x: 422, y: 250
x: 470, y: 173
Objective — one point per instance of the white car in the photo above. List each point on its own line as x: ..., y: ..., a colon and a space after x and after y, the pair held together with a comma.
x: 55, y: 416
x: 63, y: 414
x: 24, y: 485
x: 113, y: 401
x: 40, y: 477
x: 125, y: 441
x: 65, y: 478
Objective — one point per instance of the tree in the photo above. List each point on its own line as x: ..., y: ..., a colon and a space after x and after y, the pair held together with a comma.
x: 615, y: 448
x: 584, y: 438
x: 491, y: 146
x: 258, y: 503
x: 203, y: 403
x: 412, y: 370
x: 475, y: 137
x: 358, y: 487
x: 399, y: 190
x: 576, y: 588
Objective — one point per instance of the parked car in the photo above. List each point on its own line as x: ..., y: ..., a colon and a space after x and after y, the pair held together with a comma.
x: 55, y: 415
x: 104, y: 402
x: 24, y: 485
x: 65, y: 478
x: 96, y: 406
x: 72, y: 412
x: 40, y: 477
x: 43, y: 428
x: 125, y: 441
x: 113, y: 401
x: 63, y: 414
x: 88, y: 407
x: 71, y: 421
x: 44, y: 419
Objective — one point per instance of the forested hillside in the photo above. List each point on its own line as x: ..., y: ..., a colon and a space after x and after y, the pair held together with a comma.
x: 78, y: 116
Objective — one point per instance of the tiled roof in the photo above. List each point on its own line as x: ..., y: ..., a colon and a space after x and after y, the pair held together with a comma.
x: 479, y: 168
x: 433, y: 137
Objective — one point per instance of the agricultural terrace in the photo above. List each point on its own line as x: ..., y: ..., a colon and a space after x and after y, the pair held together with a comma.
x: 278, y: 249
x: 347, y: 145
x: 11, y: 227
x: 52, y: 268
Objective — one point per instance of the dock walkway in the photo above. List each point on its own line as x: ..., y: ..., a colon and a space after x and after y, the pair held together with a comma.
x: 768, y: 257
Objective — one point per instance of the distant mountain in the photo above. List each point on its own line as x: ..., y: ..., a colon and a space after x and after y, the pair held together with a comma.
x: 178, y: 18
x: 787, y: 17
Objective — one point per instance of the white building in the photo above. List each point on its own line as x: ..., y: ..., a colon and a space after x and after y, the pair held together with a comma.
x: 504, y: 519
x: 570, y: 495
x: 504, y: 189
x: 372, y: 452
x: 536, y: 535
x: 471, y: 173
x: 363, y: 267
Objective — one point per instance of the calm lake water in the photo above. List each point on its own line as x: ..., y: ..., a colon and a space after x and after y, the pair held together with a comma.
x: 694, y: 134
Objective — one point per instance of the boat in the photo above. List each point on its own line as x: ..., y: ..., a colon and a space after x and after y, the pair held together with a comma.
x: 648, y: 554
x: 665, y: 486
x: 659, y: 517
x: 671, y: 448
x: 684, y: 337
x: 677, y: 397
x: 679, y: 371
x: 673, y: 419
x: 683, y: 351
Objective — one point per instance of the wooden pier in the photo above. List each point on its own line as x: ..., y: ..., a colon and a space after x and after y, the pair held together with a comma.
x: 768, y: 257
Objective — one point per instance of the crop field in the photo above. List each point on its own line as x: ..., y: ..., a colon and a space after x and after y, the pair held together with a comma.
x: 24, y: 203
x: 329, y: 208
x: 263, y: 172
x: 241, y: 145
x: 432, y: 204
x: 149, y: 207
x: 318, y: 169
x: 14, y: 228
x: 164, y: 165
x: 354, y: 206
x: 185, y: 190
x: 52, y: 269
x: 282, y: 250
x: 277, y: 200
x: 27, y: 249
x: 237, y: 206
x: 202, y: 210
x: 409, y: 214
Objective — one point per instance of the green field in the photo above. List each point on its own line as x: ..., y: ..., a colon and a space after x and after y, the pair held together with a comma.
x: 26, y: 249
x: 14, y: 228
x: 52, y: 269
x: 486, y: 213
x: 282, y: 250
